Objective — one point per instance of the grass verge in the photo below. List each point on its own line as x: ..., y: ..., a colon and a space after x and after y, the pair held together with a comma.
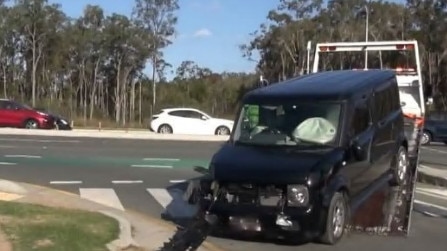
x: 34, y: 227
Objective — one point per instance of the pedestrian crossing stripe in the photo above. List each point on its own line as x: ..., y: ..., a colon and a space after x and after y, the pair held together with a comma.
x: 171, y: 200
x: 104, y: 196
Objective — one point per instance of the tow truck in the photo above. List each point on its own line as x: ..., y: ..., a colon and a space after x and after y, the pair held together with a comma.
x: 411, y: 94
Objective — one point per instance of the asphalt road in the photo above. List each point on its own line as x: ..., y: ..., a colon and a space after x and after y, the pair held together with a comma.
x: 133, y: 174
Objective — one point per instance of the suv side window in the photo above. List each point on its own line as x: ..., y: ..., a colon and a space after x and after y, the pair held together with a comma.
x: 385, y: 101
x: 361, y: 119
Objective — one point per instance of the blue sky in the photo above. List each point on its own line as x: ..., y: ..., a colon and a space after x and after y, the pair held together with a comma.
x: 209, y: 31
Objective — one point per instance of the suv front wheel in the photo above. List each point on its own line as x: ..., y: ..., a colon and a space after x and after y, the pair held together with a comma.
x: 337, y: 215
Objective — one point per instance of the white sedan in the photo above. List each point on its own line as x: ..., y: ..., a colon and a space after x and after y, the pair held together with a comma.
x: 189, y: 121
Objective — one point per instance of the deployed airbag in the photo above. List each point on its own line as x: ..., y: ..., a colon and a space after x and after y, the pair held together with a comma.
x: 315, y: 129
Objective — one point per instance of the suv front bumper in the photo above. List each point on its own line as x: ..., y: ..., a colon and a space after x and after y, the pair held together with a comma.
x: 266, y: 219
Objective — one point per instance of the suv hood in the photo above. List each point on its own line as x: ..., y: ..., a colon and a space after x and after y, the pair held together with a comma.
x: 270, y: 164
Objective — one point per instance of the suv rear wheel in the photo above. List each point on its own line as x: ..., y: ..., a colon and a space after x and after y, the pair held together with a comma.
x: 399, y: 167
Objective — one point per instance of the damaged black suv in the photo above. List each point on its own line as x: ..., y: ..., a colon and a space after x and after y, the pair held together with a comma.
x: 303, y: 151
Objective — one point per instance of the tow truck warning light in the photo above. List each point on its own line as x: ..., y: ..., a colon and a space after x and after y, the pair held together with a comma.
x: 408, y: 47
x: 328, y: 48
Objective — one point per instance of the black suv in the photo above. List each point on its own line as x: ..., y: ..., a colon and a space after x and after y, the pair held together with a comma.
x: 302, y: 153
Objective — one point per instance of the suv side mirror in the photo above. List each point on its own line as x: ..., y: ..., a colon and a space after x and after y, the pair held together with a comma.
x: 360, y: 153
x: 204, y: 118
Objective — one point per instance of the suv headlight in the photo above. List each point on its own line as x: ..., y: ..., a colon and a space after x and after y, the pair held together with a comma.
x: 297, y: 195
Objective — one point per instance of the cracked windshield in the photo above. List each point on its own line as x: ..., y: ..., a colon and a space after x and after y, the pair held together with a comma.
x: 230, y: 125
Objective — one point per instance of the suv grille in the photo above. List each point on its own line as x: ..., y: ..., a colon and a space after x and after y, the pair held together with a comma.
x: 265, y: 195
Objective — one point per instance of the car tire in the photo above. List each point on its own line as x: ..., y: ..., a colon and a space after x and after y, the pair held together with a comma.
x: 426, y: 138
x: 337, y: 211
x: 399, y: 167
x: 222, y: 130
x: 165, y: 129
x: 31, y: 124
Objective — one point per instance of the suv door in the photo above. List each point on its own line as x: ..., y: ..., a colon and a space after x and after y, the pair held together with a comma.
x: 361, y: 131
x: 384, y: 122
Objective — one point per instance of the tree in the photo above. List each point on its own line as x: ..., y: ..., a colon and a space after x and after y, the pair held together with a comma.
x: 158, y: 18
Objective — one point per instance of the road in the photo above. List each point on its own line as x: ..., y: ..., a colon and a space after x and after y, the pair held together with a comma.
x: 143, y: 175
x: 434, y: 155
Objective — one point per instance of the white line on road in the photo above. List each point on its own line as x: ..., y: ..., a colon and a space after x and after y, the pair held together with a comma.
x: 161, y: 195
x: 430, y: 205
x: 433, y: 191
x: 2, y: 146
x: 39, y: 140
x: 104, y: 196
x: 127, y: 181
x: 160, y: 159
x: 23, y: 156
x: 65, y: 182
x: 7, y: 163
x: 177, y: 181
x: 432, y: 195
x: 434, y: 150
x: 152, y: 166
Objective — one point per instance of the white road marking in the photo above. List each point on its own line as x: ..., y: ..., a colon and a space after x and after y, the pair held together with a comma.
x: 173, y: 203
x: 434, y: 150
x: 160, y: 159
x: 104, y: 196
x: 430, y: 205
x: 2, y: 146
x: 7, y: 163
x: 177, y: 181
x: 65, y: 182
x: 127, y: 181
x: 161, y: 196
x: 23, y: 156
x: 39, y: 140
x: 432, y: 195
x: 152, y: 166
x: 434, y: 191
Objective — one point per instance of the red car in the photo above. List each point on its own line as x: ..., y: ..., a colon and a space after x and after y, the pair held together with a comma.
x: 13, y: 114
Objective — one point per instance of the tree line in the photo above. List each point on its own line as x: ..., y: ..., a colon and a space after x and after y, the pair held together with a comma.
x: 90, y: 68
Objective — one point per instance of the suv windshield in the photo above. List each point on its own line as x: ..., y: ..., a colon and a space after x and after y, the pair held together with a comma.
x: 288, y: 124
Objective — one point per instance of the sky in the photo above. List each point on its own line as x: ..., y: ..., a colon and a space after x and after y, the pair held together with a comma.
x: 209, y: 32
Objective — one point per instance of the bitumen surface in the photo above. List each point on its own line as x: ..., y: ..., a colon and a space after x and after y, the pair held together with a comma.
x: 138, y: 174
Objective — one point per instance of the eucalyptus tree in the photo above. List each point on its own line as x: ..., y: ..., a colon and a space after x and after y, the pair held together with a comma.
x: 158, y: 18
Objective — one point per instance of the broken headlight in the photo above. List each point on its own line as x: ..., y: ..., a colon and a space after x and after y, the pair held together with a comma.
x: 297, y: 195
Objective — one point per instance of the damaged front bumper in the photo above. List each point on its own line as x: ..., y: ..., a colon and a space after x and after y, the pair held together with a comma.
x: 254, y: 216
x: 263, y: 219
